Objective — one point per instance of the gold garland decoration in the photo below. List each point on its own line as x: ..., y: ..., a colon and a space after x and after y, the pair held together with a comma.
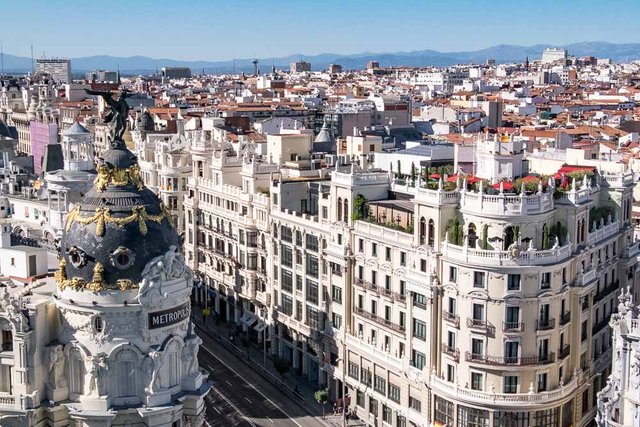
x: 118, y: 177
x: 103, y: 216
x: 97, y: 283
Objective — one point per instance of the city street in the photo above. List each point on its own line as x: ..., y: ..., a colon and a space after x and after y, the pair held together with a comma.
x: 241, y: 397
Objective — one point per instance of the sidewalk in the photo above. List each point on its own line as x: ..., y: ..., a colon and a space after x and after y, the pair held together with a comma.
x: 296, y: 388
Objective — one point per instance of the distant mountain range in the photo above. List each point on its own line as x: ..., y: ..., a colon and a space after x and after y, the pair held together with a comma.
x: 501, y: 53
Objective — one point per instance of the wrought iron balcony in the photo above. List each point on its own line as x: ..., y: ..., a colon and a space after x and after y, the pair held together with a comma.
x: 599, y: 326
x: 513, y: 326
x: 381, y: 321
x: 605, y: 292
x: 510, y: 360
x: 565, y: 318
x: 481, y: 325
x: 545, y: 324
x: 450, y: 351
x: 453, y: 319
x: 564, y: 352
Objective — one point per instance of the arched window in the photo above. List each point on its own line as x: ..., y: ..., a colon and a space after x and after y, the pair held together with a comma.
x: 346, y: 210
x: 77, y: 372
x: 339, y: 208
x: 125, y: 375
x: 173, y: 361
x: 471, y: 235
x: 509, y: 238
x: 422, y: 230
x: 431, y: 233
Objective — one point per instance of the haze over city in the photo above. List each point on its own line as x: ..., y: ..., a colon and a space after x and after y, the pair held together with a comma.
x: 222, y: 30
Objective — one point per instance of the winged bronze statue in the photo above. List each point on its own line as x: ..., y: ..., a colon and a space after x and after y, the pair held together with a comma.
x: 117, y: 117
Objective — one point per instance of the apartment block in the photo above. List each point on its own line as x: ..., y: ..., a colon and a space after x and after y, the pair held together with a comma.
x: 462, y: 300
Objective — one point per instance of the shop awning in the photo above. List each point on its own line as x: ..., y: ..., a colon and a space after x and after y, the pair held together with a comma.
x: 248, y: 318
x: 260, y: 326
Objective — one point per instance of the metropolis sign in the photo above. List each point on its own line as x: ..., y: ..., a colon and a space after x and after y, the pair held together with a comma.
x: 170, y: 316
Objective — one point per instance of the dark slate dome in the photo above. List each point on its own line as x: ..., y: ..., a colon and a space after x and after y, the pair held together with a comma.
x: 119, y: 224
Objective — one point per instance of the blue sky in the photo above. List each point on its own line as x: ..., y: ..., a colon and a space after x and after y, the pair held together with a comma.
x: 217, y: 30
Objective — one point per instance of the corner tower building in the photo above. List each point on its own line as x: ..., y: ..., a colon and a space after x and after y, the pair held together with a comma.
x: 123, y: 298
x: 114, y: 345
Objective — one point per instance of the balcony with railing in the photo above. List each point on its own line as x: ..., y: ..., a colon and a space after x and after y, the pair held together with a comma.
x: 380, y: 291
x: 379, y: 320
x: 587, y: 277
x: 510, y: 360
x: 545, y: 324
x: 565, y: 318
x: 564, y: 352
x: 8, y: 401
x: 513, y: 326
x: 505, y: 204
x: 506, y: 400
x: 619, y: 180
x: 383, y: 233
x: 506, y: 257
x: 452, y: 319
x: 606, y: 291
x: 597, y: 327
x: 451, y: 352
x: 383, y: 356
x: 481, y: 325
x: 603, y: 232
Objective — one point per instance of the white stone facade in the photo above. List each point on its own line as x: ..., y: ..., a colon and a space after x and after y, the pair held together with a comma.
x: 500, y: 322
x: 100, y: 359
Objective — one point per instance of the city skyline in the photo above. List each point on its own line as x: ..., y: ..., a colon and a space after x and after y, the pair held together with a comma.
x: 335, y: 28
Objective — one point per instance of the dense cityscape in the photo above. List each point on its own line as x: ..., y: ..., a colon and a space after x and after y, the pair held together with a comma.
x: 321, y: 246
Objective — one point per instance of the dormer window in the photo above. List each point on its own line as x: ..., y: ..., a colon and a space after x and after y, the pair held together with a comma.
x: 77, y: 256
x: 122, y: 258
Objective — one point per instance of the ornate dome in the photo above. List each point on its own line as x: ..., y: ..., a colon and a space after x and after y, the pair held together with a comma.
x: 115, y: 229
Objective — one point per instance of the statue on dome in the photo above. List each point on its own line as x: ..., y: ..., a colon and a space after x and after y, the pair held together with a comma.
x: 117, y: 117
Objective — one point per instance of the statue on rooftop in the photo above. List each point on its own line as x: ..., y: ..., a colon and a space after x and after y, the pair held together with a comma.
x: 117, y: 117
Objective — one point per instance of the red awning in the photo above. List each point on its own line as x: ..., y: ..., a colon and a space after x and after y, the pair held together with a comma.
x: 506, y: 185
x: 567, y: 168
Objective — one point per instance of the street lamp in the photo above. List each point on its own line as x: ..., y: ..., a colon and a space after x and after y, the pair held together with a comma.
x: 344, y: 376
x: 264, y: 312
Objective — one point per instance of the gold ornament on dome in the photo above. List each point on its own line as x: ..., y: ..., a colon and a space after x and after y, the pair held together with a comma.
x: 61, y: 274
x: 97, y: 283
x: 103, y: 216
x: 118, y: 177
